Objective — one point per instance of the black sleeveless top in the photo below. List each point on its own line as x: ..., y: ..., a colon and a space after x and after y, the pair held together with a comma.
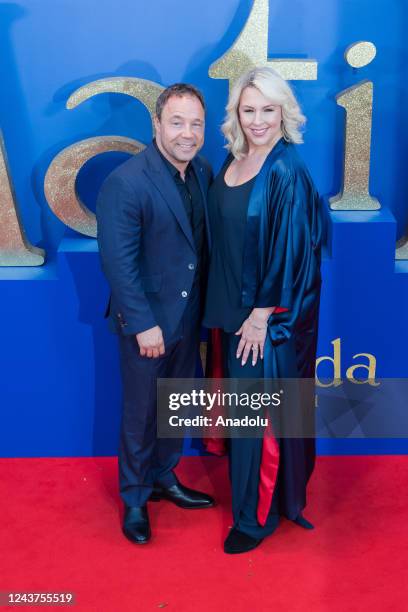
x: 227, y: 209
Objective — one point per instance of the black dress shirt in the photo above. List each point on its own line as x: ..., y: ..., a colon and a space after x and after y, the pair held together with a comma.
x: 191, y: 196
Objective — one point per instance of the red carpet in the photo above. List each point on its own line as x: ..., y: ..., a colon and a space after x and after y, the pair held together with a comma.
x: 60, y: 531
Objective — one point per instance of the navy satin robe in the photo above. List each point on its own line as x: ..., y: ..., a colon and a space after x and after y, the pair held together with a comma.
x: 282, y: 268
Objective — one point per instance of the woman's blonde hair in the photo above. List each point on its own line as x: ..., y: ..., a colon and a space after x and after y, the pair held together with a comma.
x: 276, y: 89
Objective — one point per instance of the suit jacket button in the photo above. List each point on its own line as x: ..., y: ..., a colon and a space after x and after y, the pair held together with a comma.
x: 191, y: 266
x: 184, y: 294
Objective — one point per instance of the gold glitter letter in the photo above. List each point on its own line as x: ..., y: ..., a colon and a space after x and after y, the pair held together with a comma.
x: 354, y: 195
x: 360, y: 54
x: 251, y: 49
x: 59, y: 183
x: 358, y: 103
x: 402, y: 248
x: 15, y: 249
x: 145, y: 91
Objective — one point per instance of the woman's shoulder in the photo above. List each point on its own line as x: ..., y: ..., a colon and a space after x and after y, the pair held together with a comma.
x: 227, y: 162
x: 288, y: 166
x: 286, y: 159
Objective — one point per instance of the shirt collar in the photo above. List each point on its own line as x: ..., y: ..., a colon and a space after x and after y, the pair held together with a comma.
x: 175, y: 173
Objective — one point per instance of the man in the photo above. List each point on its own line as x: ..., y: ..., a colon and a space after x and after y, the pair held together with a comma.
x: 153, y: 237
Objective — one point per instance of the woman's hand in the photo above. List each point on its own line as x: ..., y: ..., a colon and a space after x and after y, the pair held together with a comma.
x: 253, y: 334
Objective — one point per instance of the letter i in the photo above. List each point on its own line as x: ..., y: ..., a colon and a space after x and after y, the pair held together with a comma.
x: 358, y: 104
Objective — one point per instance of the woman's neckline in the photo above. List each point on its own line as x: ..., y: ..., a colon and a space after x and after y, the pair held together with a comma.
x: 240, y: 184
x: 255, y: 175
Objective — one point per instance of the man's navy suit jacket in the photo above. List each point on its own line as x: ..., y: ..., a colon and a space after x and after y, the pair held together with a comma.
x: 146, y: 243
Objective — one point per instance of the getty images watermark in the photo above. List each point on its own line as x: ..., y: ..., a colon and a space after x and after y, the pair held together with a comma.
x: 207, y: 401
x: 232, y: 407
x: 290, y: 408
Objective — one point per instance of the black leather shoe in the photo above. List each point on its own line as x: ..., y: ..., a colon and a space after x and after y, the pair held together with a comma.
x: 238, y: 542
x: 136, y: 526
x: 182, y: 496
x: 302, y: 522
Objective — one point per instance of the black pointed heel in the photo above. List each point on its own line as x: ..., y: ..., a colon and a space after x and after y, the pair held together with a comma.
x: 302, y: 522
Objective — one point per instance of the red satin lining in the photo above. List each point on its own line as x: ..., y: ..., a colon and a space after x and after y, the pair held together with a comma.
x: 268, y: 470
x: 215, y: 369
x: 270, y: 449
x: 268, y: 473
x: 215, y: 446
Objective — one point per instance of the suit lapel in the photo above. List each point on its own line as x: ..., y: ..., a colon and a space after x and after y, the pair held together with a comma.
x: 164, y: 184
x: 203, y: 182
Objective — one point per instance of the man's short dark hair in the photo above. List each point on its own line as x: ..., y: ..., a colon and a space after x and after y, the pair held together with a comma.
x: 178, y: 89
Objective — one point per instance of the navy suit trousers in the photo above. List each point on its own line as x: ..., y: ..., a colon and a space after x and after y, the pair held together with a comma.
x: 144, y: 459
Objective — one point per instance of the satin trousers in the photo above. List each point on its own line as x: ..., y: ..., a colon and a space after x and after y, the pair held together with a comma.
x: 245, y: 456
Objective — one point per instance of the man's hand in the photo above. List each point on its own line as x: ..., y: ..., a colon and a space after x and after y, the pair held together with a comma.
x: 151, y: 342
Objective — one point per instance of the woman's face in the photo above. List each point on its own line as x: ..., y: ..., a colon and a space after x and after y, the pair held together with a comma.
x: 260, y: 119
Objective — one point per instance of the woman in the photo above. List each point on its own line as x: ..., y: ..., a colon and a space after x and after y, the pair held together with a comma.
x: 264, y: 289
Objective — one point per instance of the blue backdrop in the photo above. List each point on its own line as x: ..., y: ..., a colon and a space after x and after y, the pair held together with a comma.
x: 60, y: 391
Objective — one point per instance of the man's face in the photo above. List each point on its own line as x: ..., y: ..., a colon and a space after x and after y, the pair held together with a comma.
x: 180, y: 130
